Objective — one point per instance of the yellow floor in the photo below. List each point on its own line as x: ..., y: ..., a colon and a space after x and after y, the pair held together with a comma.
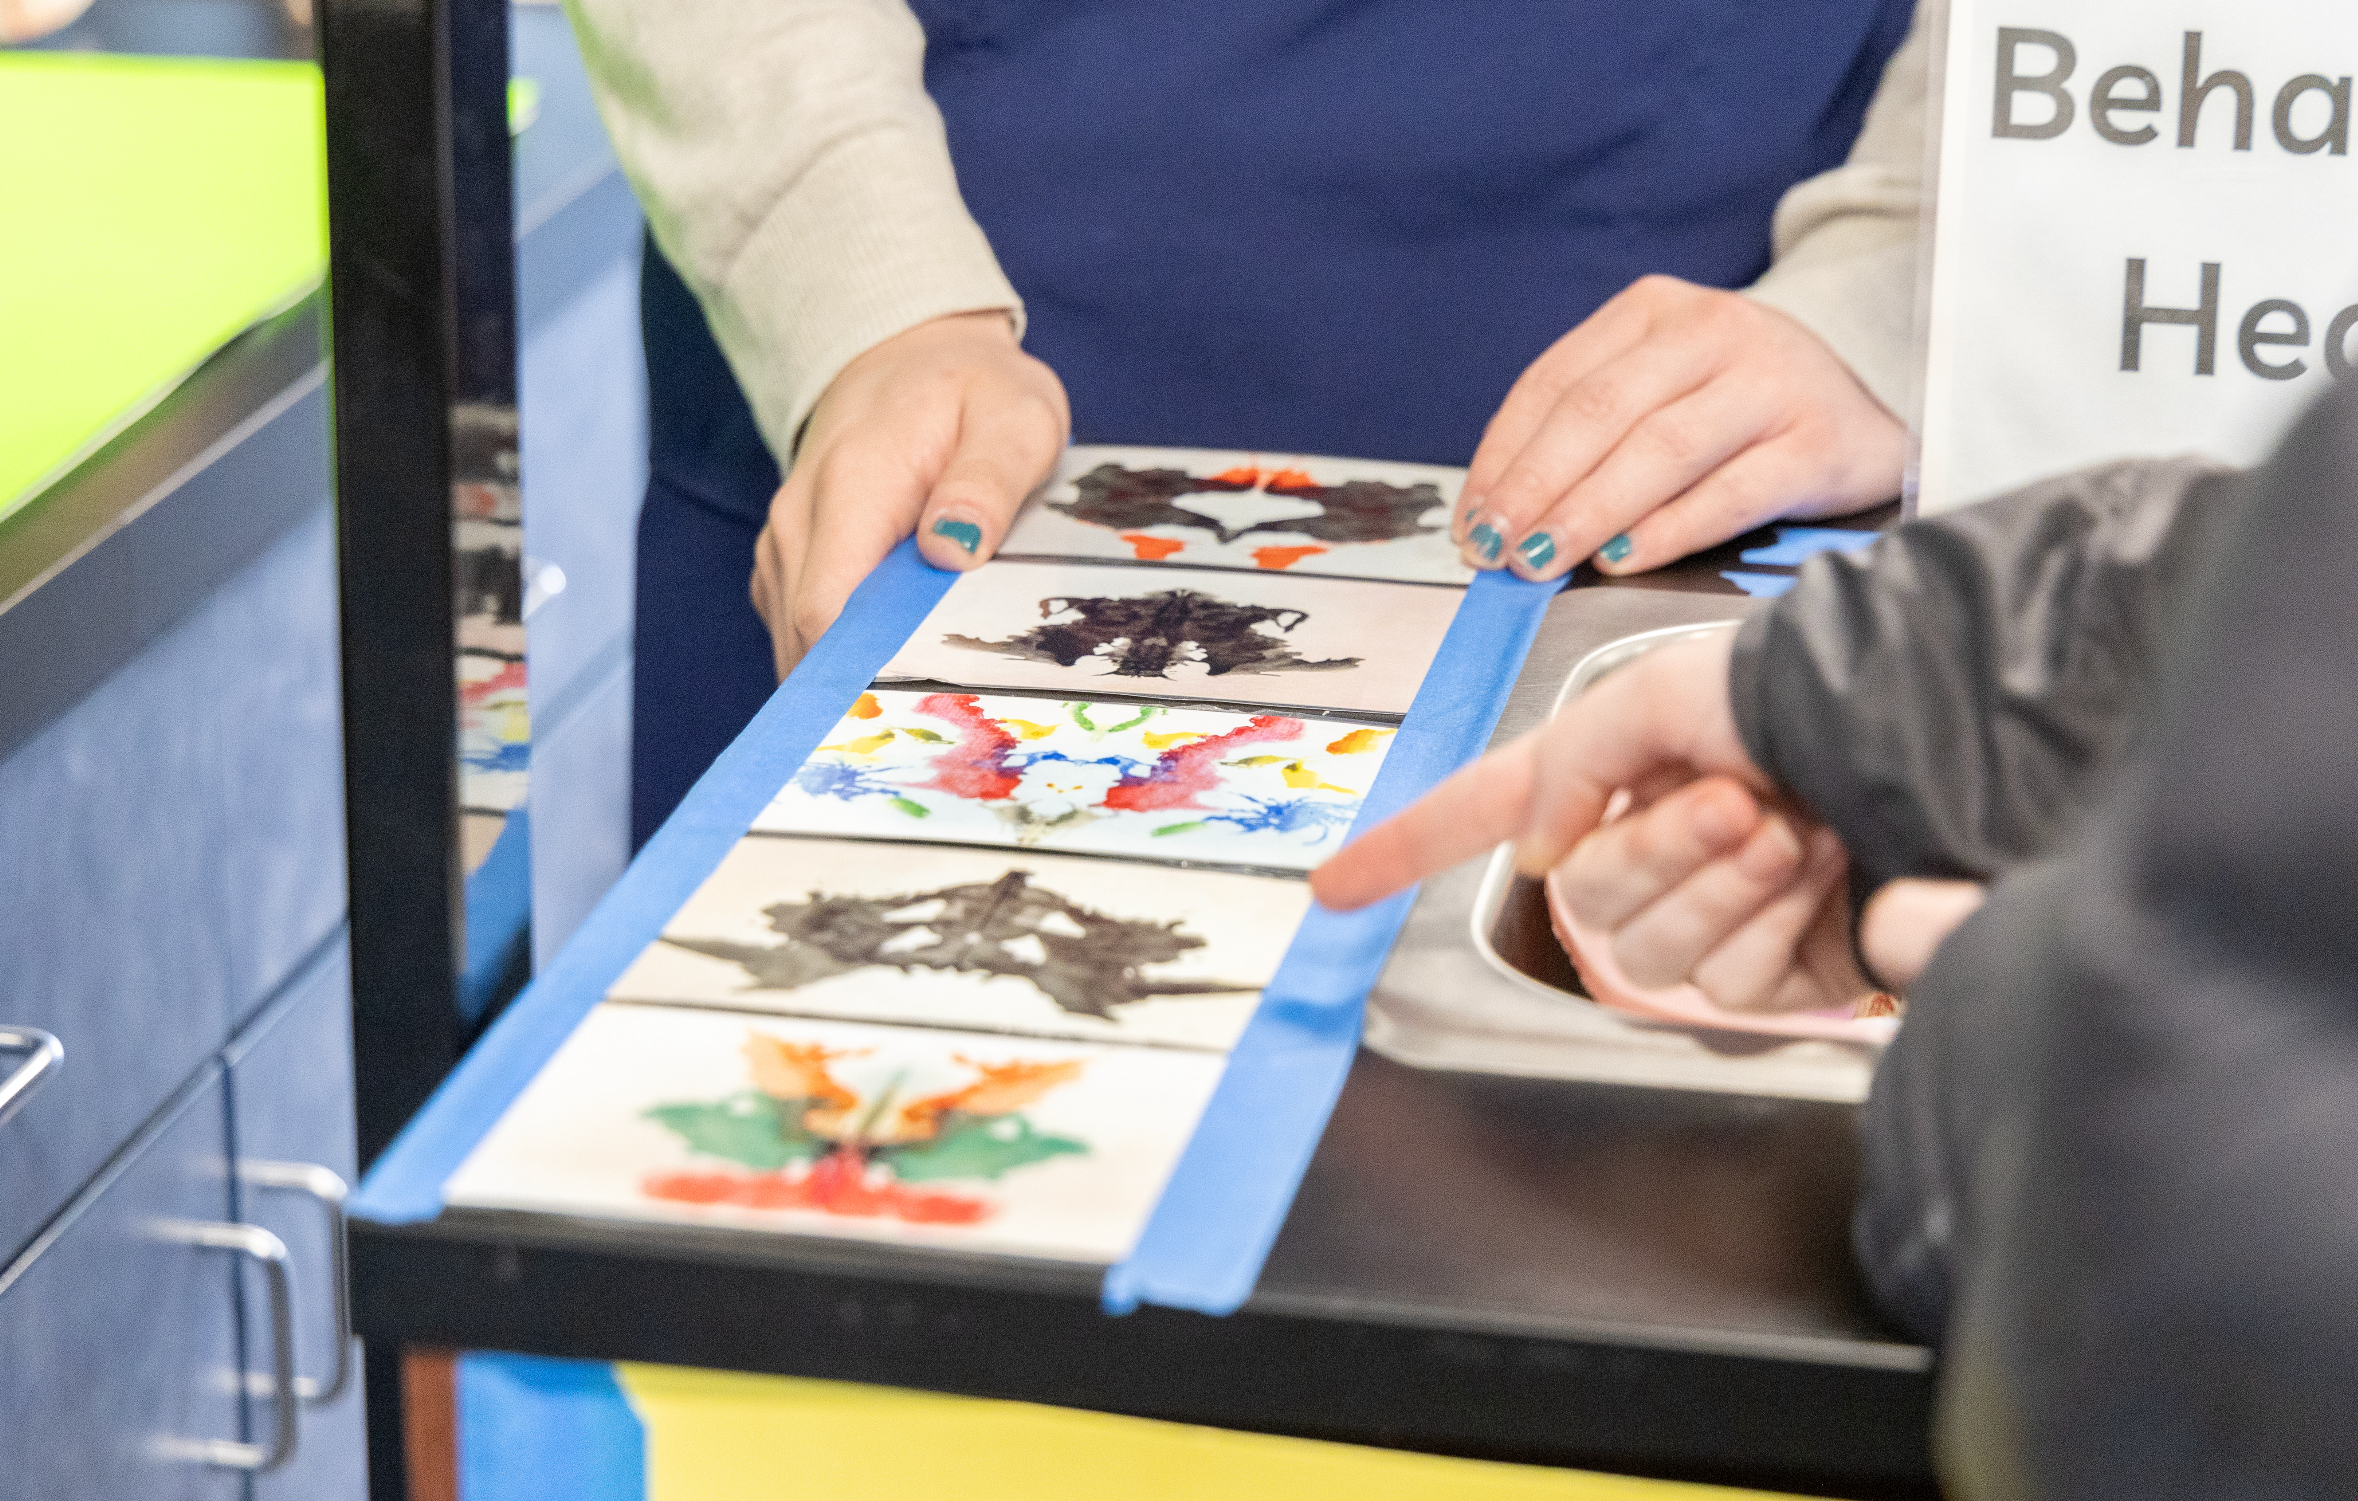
x: 721, y: 1436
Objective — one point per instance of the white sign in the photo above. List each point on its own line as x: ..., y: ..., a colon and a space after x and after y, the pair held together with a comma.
x: 2147, y: 233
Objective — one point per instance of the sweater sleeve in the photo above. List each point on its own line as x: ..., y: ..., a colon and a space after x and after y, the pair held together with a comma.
x: 794, y: 171
x: 1950, y: 700
x: 1845, y: 240
x: 2110, y: 1158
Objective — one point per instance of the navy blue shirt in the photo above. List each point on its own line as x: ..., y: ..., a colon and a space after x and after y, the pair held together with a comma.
x: 1346, y: 226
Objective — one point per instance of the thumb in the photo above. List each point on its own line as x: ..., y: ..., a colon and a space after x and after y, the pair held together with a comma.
x: 1907, y: 920
x: 1007, y: 444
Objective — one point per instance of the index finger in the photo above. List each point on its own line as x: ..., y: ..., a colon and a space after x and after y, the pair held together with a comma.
x: 1481, y: 806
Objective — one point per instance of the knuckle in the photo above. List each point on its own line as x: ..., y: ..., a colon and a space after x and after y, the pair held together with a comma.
x: 1593, y: 403
x: 809, y: 619
x: 842, y: 467
x: 1657, y: 287
x: 1679, y: 441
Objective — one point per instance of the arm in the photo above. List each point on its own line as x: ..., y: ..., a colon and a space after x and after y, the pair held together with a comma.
x: 1947, y: 703
x: 794, y: 171
x: 1845, y: 240
x: 1950, y: 700
x: 2110, y: 1157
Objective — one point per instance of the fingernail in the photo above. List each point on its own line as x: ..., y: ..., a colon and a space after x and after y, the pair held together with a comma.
x: 1486, y: 541
x: 1617, y: 549
x: 1537, y: 551
x: 965, y: 533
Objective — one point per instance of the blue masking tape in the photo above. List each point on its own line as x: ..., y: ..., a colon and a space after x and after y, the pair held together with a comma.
x: 1761, y: 585
x: 1796, y: 545
x: 1203, y: 1246
x: 405, y: 1185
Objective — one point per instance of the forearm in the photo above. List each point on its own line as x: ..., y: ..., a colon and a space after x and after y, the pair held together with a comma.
x: 2109, y: 1159
x: 1845, y: 241
x: 793, y: 169
x: 1950, y: 701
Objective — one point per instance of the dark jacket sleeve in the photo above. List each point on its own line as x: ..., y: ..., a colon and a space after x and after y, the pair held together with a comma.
x: 1948, y: 700
x: 2112, y: 1158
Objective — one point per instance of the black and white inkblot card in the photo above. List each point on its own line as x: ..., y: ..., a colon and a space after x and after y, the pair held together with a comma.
x: 2147, y: 236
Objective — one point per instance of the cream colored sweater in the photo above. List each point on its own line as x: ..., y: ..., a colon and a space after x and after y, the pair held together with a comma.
x: 793, y: 169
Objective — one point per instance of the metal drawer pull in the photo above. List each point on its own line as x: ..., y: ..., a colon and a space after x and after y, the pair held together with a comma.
x: 327, y: 1190
x: 270, y: 1253
x: 43, y: 1053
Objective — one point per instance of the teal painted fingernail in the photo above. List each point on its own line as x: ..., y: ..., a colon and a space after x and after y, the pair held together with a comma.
x: 965, y: 533
x: 1537, y: 550
x: 1617, y: 549
x: 1487, y: 541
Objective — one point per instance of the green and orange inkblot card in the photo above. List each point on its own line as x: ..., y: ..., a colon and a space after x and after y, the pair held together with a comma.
x: 1019, y: 1147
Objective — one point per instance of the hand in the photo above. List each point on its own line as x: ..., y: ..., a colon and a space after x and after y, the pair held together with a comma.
x: 1710, y: 887
x: 942, y: 430
x: 1657, y: 724
x: 1673, y: 418
x: 1704, y: 880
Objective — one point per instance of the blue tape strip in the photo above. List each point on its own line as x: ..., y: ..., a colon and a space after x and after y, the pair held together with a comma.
x: 1209, y: 1234
x: 1796, y: 545
x: 1760, y: 585
x: 499, y: 914
x: 530, y: 1428
x: 405, y: 1186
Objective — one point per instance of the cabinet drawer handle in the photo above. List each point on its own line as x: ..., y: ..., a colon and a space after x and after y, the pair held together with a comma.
x: 270, y: 1253
x: 327, y: 1190
x: 43, y: 1053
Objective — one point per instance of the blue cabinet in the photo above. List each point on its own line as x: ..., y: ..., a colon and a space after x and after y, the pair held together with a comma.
x: 171, y: 845
x: 290, y: 1091
x: 118, y: 1335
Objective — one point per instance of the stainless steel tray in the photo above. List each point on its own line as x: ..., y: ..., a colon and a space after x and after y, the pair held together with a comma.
x: 1476, y: 982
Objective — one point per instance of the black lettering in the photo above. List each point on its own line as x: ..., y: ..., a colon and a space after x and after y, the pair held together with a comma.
x: 2337, y: 128
x: 2194, y: 92
x: 2103, y: 103
x: 2205, y: 319
x: 2011, y: 39
x: 2337, y: 341
x: 2249, y: 338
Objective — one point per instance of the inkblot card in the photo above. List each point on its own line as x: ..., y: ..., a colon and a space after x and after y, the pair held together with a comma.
x: 1273, y: 513
x: 1022, y: 1147
x: 979, y: 939
x: 1079, y: 630
x: 1167, y: 782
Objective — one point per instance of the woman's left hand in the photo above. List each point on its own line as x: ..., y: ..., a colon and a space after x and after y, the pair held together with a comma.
x: 1673, y: 418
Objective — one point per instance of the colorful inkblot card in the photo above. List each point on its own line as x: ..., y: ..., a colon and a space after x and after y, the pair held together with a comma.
x: 1079, y: 630
x: 1151, y: 781
x: 983, y: 940
x: 1275, y: 513
x: 1022, y: 1147
x: 970, y: 977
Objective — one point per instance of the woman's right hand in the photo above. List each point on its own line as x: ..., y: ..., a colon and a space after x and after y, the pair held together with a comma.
x: 940, y: 430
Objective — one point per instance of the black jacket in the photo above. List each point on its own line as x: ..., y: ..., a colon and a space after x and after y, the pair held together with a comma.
x: 2112, y: 1159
